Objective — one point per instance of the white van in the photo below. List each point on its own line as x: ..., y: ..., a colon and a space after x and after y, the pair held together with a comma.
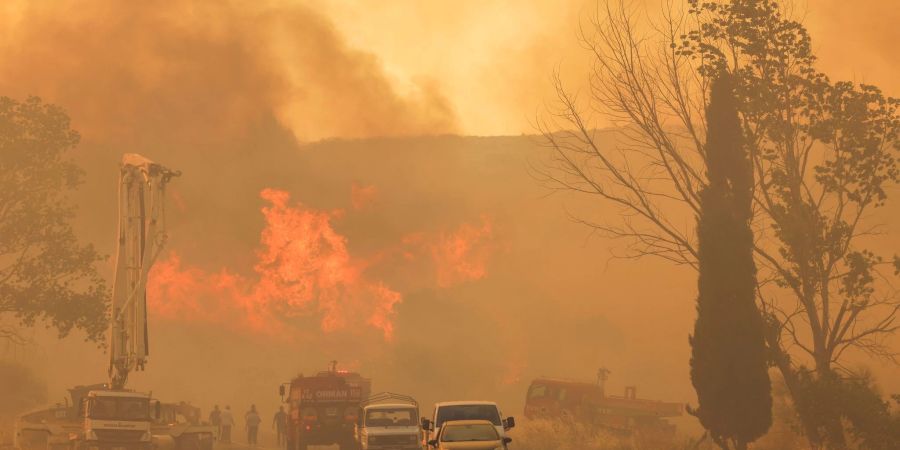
x: 466, y: 410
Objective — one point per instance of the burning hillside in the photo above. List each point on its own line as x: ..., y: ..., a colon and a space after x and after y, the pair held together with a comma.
x: 304, y: 269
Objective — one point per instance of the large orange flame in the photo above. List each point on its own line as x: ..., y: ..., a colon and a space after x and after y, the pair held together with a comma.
x: 304, y: 269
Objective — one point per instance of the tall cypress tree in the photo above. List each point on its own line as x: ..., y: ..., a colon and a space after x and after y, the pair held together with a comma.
x: 728, y: 361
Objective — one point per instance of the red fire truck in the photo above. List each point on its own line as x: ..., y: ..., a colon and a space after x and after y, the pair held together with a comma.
x: 587, y: 403
x: 324, y: 409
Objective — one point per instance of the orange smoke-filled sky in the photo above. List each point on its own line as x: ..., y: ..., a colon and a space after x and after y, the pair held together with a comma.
x: 224, y: 90
x: 492, y: 58
x: 394, y: 67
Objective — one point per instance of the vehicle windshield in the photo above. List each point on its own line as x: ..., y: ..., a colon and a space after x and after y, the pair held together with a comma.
x: 468, y: 412
x: 397, y: 417
x: 119, y: 408
x: 471, y: 432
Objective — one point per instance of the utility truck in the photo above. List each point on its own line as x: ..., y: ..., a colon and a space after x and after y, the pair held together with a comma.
x: 109, y: 416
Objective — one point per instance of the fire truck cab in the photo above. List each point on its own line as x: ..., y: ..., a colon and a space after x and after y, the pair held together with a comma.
x: 324, y: 409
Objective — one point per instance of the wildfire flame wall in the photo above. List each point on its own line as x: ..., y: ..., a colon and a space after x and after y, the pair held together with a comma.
x: 304, y: 268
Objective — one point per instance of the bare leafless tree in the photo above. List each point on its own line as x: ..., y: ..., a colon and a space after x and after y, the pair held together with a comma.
x: 823, y: 156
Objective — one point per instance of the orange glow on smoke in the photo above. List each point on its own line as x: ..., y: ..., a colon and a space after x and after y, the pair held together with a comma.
x: 513, y: 371
x: 303, y: 270
x: 458, y: 256
x: 362, y: 196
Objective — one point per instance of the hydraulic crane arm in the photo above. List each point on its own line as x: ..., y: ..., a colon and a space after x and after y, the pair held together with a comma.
x: 142, y: 234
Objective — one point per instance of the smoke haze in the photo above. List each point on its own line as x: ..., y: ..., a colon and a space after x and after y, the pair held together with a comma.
x: 228, y: 65
x: 327, y: 211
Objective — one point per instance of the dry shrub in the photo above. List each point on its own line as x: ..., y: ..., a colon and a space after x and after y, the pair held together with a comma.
x: 559, y: 435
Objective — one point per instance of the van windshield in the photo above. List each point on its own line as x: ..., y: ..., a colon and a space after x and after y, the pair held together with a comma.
x: 468, y: 412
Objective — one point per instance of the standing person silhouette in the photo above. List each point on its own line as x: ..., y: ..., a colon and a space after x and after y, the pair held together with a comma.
x: 227, y: 421
x: 252, y: 421
x: 215, y: 419
x: 279, y: 423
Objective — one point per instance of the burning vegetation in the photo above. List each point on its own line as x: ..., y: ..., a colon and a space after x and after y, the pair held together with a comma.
x: 303, y: 268
x: 328, y: 210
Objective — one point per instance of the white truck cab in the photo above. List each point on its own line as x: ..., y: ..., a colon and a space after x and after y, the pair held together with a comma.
x: 466, y: 410
x: 116, y: 418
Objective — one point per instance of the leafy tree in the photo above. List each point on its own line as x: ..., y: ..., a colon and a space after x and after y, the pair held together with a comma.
x: 729, y: 363
x: 823, y: 155
x: 852, y: 400
x: 45, y: 273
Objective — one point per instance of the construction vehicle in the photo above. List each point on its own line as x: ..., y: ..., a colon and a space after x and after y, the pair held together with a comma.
x: 324, y: 409
x: 389, y: 421
x: 109, y: 416
x: 587, y: 403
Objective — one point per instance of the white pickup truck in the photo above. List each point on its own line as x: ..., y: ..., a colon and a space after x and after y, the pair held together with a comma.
x: 389, y: 421
x: 466, y: 410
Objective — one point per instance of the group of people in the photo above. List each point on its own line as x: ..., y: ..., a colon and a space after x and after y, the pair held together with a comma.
x: 223, y: 420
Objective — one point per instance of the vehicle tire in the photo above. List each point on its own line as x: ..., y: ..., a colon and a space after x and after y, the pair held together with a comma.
x: 187, y: 442
x: 298, y: 441
x: 208, y: 443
